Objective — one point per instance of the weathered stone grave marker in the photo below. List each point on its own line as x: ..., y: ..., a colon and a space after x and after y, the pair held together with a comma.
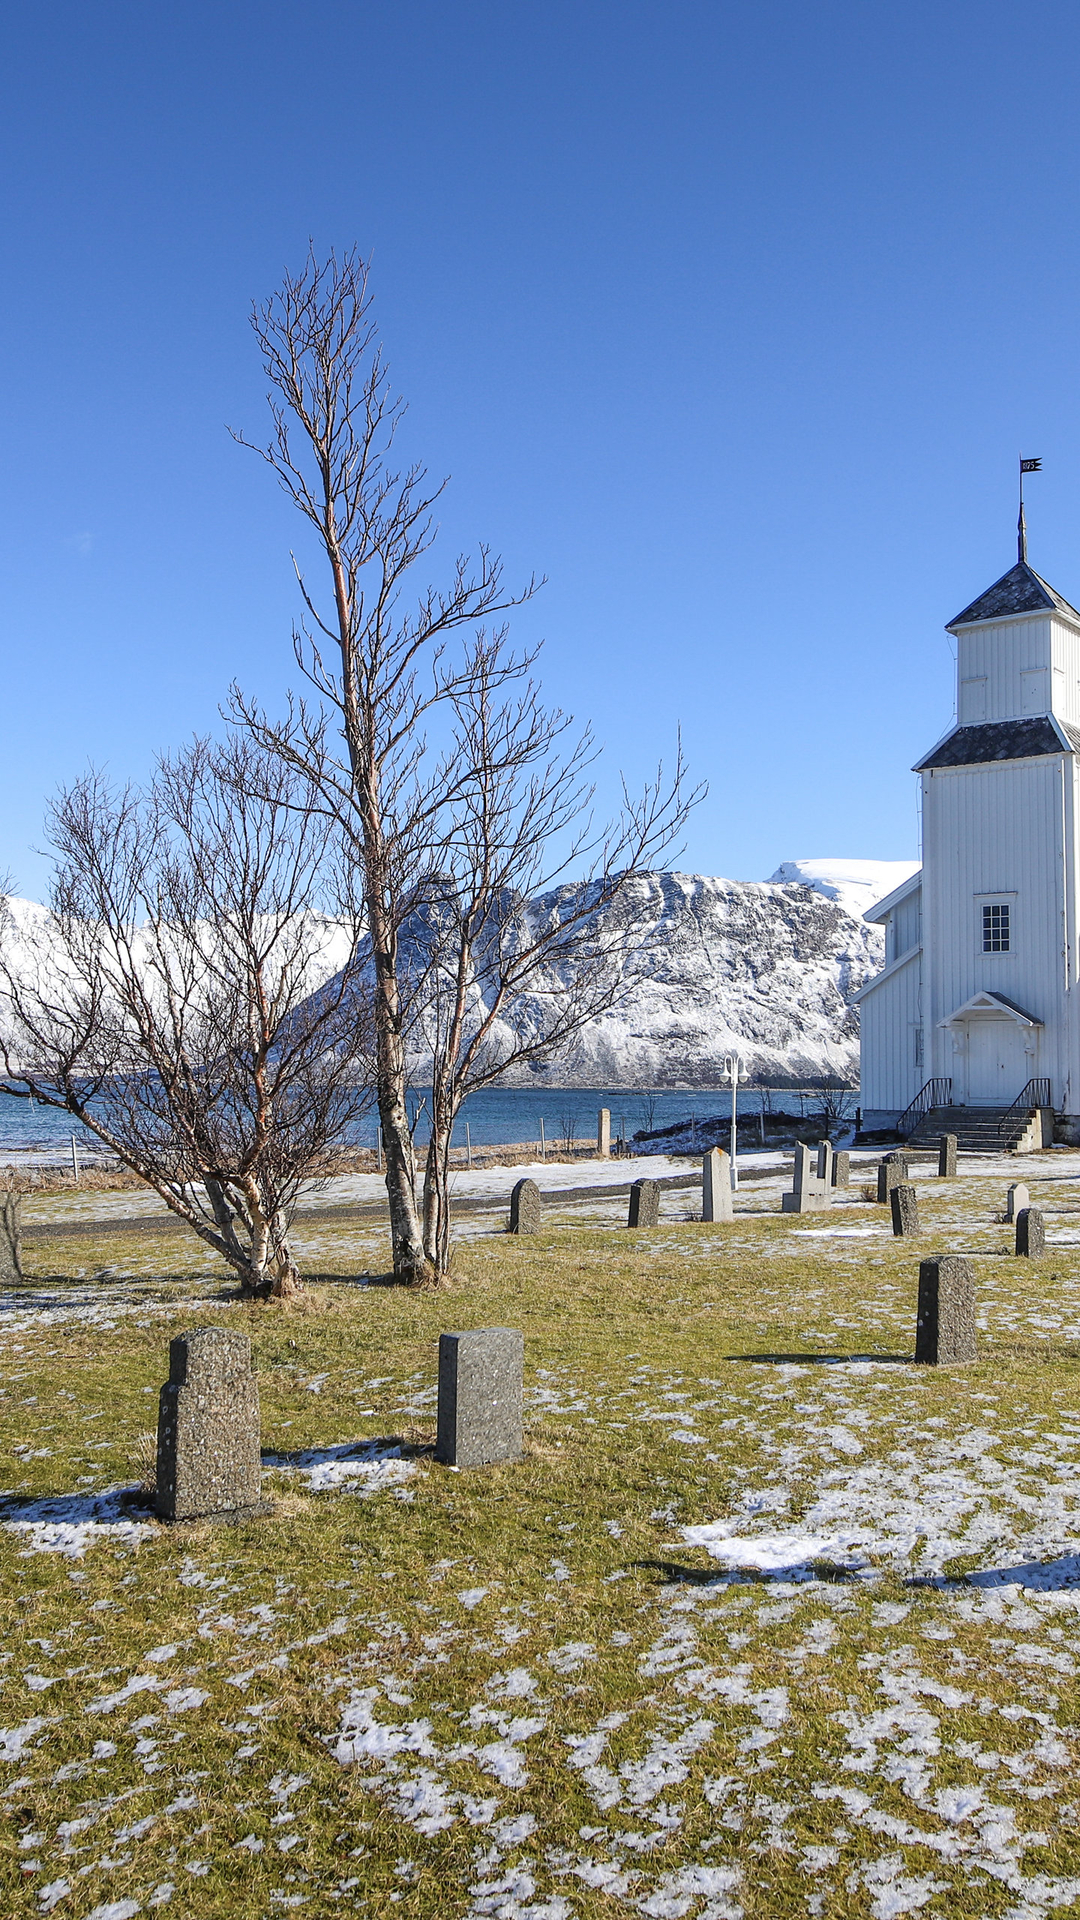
x: 825, y: 1162
x: 716, y: 1201
x: 892, y: 1172
x: 480, y: 1396
x: 603, y: 1133
x: 525, y: 1207
x: 905, y: 1211
x: 946, y: 1159
x: 841, y: 1170
x: 208, y: 1458
x: 808, y: 1194
x: 945, y: 1328
x: 1030, y: 1234
x: 1016, y: 1200
x: 644, y: 1204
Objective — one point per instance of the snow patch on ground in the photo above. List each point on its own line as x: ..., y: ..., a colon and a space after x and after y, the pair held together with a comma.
x: 70, y: 1523
x: 363, y: 1467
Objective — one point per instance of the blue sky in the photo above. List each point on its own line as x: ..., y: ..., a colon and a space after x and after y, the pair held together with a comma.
x: 729, y: 320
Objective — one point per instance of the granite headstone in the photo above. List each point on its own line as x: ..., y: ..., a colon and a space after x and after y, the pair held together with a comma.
x: 905, y: 1211
x: 644, y: 1204
x: 945, y: 1328
x: 208, y: 1455
x: 525, y: 1207
x: 1016, y: 1200
x: 480, y: 1397
x: 1030, y: 1234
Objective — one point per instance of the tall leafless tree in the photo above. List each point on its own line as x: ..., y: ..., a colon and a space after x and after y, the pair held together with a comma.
x: 442, y: 767
x: 174, y: 998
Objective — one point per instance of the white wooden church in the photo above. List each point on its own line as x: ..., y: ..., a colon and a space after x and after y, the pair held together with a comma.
x: 977, y: 1010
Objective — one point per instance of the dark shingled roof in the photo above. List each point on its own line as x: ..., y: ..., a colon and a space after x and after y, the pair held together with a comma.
x: 1001, y: 740
x: 1019, y: 591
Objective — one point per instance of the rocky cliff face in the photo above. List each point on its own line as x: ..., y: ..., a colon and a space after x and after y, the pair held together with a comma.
x: 762, y: 969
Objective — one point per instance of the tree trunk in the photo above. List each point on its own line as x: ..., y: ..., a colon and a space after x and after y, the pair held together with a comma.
x: 437, y: 1188
x: 411, y: 1265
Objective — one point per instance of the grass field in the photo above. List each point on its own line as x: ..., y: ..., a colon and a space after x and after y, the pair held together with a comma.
x: 533, y: 1691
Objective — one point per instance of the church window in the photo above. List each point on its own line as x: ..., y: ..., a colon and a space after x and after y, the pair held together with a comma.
x: 996, y: 927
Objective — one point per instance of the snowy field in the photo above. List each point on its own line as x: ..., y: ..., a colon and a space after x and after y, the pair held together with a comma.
x: 767, y: 1621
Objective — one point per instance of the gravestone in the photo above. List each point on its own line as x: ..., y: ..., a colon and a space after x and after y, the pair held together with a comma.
x: 525, y: 1207
x: 808, y: 1195
x: 905, y: 1211
x: 946, y: 1159
x: 1030, y: 1234
x: 208, y: 1458
x: 11, y: 1236
x: 603, y: 1133
x: 716, y: 1186
x: 825, y: 1162
x: 1016, y: 1200
x: 841, y: 1170
x: 945, y: 1328
x: 480, y: 1391
x: 892, y: 1172
x: 644, y: 1204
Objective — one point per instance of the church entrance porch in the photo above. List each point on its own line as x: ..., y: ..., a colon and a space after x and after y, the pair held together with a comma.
x: 995, y: 1050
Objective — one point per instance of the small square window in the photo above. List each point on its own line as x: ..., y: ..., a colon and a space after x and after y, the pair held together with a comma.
x: 995, y: 928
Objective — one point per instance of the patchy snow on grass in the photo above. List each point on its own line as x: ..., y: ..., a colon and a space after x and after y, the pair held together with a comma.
x: 363, y: 1467
x: 69, y: 1524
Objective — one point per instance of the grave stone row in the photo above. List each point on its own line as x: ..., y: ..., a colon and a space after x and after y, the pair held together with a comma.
x: 209, y: 1463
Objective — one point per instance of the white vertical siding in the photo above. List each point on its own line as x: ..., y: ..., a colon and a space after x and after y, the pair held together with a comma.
x: 996, y: 829
x: 1065, y: 653
x: 999, y: 655
x: 905, y: 924
x: 890, y: 1017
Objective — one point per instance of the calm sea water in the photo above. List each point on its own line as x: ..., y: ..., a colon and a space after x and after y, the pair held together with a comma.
x: 496, y: 1116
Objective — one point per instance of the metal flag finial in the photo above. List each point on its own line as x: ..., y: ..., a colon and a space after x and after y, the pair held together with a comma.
x: 1026, y: 466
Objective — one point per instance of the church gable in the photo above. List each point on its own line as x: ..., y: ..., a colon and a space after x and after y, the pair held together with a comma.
x: 1021, y: 590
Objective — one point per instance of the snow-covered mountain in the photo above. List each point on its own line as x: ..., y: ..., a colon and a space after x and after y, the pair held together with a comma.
x: 857, y: 884
x: 766, y: 969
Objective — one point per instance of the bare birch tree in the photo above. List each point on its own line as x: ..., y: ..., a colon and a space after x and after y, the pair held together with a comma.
x: 174, y: 998
x: 449, y: 783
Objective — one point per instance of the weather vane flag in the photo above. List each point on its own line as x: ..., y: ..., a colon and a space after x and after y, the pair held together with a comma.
x: 1026, y: 466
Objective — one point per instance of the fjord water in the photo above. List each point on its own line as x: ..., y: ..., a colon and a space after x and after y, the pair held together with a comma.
x: 496, y: 1116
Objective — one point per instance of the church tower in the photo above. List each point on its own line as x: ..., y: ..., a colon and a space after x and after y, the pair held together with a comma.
x: 976, y: 1010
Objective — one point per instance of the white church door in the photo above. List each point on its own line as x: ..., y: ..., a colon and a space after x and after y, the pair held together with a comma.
x: 998, y: 1063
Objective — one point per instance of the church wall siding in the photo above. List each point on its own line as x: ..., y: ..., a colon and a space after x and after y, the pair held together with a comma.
x: 997, y: 830
x: 1066, y: 672
x: 991, y: 664
x: 890, y: 1017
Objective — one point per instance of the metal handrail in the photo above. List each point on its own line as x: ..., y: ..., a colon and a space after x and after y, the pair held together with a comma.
x: 936, y: 1093
x: 1035, y: 1094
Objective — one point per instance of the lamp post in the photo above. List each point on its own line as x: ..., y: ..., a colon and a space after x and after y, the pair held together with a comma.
x: 734, y: 1071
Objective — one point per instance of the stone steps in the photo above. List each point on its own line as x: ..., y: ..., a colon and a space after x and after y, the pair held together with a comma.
x: 977, y: 1129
